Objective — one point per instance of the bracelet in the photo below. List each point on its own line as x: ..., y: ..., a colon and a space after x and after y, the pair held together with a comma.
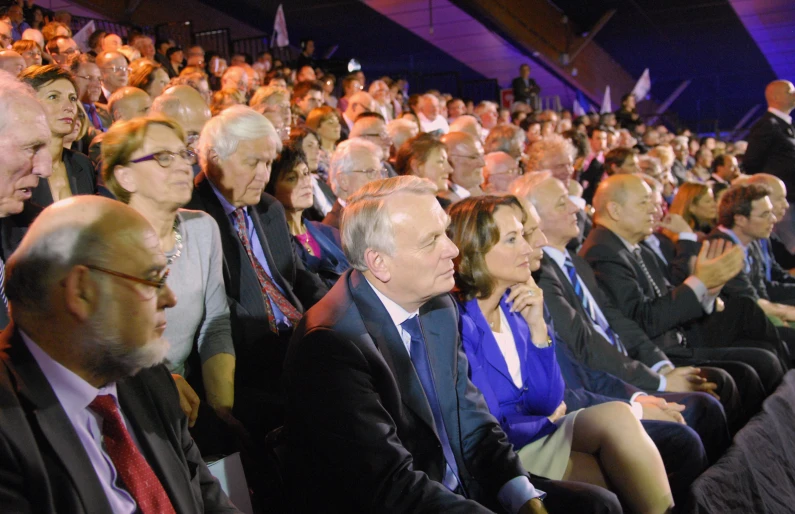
x: 545, y: 344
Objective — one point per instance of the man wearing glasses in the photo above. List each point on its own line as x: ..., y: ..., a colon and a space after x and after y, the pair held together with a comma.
x: 115, y: 73
x: 61, y: 48
x: 372, y: 127
x: 467, y: 159
x: 82, y: 381
x: 354, y: 163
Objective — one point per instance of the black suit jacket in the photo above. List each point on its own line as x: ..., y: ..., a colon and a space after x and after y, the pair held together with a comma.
x: 43, y: 467
x: 586, y: 344
x: 771, y: 149
x: 359, y: 426
x: 12, y: 229
x: 524, y: 92
x: 82, y: 179
x: 334, y: 216
x: 259, y: 354
x: 622, y: 279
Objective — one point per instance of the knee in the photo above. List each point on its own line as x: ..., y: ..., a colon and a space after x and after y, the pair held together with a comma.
x: 617, y: 419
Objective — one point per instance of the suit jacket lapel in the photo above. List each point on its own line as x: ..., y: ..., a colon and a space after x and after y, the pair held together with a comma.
x: 488, y: 344
x: 46, y: 411
x: 386, y: 337
x: 229, y: 240
x: 156, y: 445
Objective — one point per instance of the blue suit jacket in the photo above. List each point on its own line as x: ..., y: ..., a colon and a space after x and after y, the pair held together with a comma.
x: 332, y: 262
x: 521, y: 412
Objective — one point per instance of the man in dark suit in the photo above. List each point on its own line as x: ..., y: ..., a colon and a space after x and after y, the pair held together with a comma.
x: 266, y: 283
x: 91, y: 422
x: 683, y: 320
x: 381, y: 413
x: 355, y: 162
x: 24, y: 159
x: 525, y: 89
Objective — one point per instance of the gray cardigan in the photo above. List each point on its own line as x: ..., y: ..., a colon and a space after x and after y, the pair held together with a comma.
x: 202, y: 312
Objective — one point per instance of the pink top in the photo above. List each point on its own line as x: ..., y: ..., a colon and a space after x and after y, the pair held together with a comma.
x: 307, y: 239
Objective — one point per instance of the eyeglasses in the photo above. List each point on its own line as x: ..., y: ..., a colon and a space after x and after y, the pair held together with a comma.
x: 383, y: 136
x: 158, y: 284
x: 98, y: 80
x: 373, y: 172
x: 165, y: 158
x: 116, y: 69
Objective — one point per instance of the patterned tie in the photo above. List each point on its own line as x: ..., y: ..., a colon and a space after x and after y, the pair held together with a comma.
x: 91, y: 110
x: 135, y: 472
x: 638, y: 253
x: 595, y: 315
x: 419, y: 357
x: 3, y: 284
x: 269, y: 289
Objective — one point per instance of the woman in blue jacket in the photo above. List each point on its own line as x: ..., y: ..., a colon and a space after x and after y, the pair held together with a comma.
x: 512, y: 361
x: 317, y: 245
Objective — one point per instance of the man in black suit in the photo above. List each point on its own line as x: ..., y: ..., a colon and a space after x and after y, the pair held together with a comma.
x: 381, y: 413
x: 355, y: 162
x: 91, y: 422
x: 525, y: 89
x: 266, y: 283
x: 683, y: 321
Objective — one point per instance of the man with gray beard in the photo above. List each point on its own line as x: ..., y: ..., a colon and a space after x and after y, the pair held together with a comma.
x: 91, y: 419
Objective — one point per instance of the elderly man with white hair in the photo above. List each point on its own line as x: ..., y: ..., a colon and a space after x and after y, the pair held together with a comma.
x: 354, y: 163
x: 499, y: 172
x: 469, y: 124
x: 267, y: 286
x: 431, y: 119
x: 401, y: 130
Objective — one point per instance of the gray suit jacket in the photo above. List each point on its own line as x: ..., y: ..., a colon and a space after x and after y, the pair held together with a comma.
x: 43, y: 467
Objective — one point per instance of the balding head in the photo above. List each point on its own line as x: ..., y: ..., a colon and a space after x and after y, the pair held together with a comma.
x: 777, y: 188
x: 186, y: 106
x: 469, y: 124
x: 77, y: 267
x: 235, y: 78
x: 115, y: 70
x: 466, y: 156
x: 780, y: 94
x: 128, y: 103
x: 501, y: 169
x: 34, y: 35
x: 359, y: 102
x: 624, y: 204
x: 11, y: 62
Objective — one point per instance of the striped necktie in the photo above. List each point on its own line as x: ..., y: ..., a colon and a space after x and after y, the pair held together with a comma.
x: 596, y: 316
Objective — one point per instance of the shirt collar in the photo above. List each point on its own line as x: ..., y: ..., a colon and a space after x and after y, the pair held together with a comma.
x: 396, y: 312
x: 73, y: 393
x: 342, y: 202
x: 653, y: 241
x: 629, y: 245
x: 729, y: 232
x: 228, y: 207
x: 556, y: 255
x: 781, y: 114
x: 460, y: 191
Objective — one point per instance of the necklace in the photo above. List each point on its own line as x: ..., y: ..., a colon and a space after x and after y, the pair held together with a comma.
x: 177, y: 243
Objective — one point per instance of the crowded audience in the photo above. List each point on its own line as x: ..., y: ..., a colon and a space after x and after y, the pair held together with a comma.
x: 415, y: 303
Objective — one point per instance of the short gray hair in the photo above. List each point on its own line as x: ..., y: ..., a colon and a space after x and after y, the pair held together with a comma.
x: 551, y: 144
x: 225, y: 131
x: 524, y: 186
x: 12, y: 91
x: 366, y: 222
x: 264, y: 94
x: 401, y: 130
x: 342, y: 160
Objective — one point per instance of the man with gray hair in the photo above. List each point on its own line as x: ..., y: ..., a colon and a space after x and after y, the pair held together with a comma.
x: 355, y: 162
x: 400, y: 131
x: 186, y: 106
x: 469, y: 124
x: 430, y: 115
x: 267, y: 286
x: 91, y: 418
x: 24, y: 159
x: 379, y: 400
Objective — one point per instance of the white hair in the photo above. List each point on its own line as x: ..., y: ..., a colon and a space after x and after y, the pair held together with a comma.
x: 524, y: 186
x: 34, y: 35
x: 344, y: 158
x: 225, y: 131
x: 365, y: 220
x: 469, y: 124
x: 12, y: 91
x: 401, y: 130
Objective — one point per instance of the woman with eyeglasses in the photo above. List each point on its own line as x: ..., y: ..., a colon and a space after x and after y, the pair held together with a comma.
x: 318, y: 245
x: 29, y: 50
x: 72, y: 172
x: 147, y: 165
x: 511, y: 353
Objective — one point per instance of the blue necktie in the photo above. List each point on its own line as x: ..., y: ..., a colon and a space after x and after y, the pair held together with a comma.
x: 764, y: 246
x: 419, y: 357
x: 595, y: 315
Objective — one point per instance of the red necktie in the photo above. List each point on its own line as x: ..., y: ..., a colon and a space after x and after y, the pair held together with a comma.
x: 269, y: 289
x: 138, y: 477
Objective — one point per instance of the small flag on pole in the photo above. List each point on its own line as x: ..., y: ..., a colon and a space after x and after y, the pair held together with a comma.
x: 643, y: 86
x: 582, y: 103
x: 280, y: 37
x: 607, y: 105
x: 577, y: 109
x: 81, y: 38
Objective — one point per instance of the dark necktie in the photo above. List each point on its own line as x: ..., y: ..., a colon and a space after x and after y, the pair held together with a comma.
x: 269, y: 289
x: 419, y: 357
x: 138, y: 477
x: 93, y: 115
x: 595, y: 315
x: 638, y: 253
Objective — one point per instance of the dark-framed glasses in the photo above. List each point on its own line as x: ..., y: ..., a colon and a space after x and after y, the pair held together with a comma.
x: 165, y: 158
x: 373, y: 173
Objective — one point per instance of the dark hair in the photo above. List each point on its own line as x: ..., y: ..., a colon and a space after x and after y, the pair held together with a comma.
x: 303, y: 88
x: 617, y: 157
x: 580, y: 142
x: 96, y: 38
x: 720, y: 160
x: 370, y: 114
x: 286, y: 162
x: 737, y: 202
x: 474, y: 231
x: 38, y: 76
x: 174, y: 49
x: 417, y: 149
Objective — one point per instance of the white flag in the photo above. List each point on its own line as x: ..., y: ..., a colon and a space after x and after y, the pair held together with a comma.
x: 280, y: 29
x: 81, y: 38
x: 577, y: 109
x: 607, y: 105
x: 643, y: 86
